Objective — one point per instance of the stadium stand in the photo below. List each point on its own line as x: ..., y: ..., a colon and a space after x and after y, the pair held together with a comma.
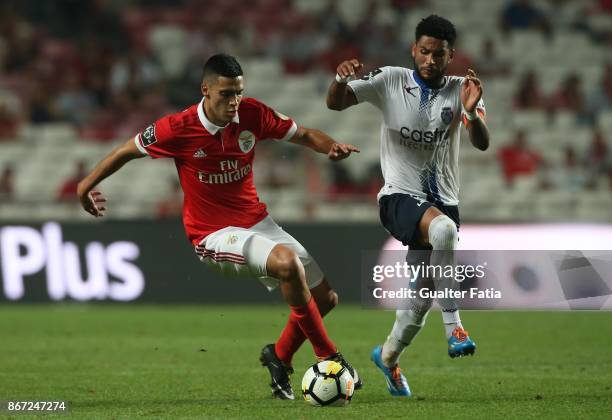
x: 71, y: 90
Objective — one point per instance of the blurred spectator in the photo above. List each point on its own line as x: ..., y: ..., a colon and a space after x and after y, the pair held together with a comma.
x: 566, y: 14
x: 528, y: 94
x: 598, y: 160
x: 74, y: 103
x: 547, y: 176
x: 395, y: 53
x: 341, y: 49
x: 517, y: 159
x: 523, y: 15
x: 8, y: 123
x: 171, y: 206
x: 42, y: 108
x: 600, y: 99
x: 300, y: 47
x: 134, y: 73
x: 6, y: 184
x: 570, y: 97
x: 572, y: 174
x: 405, y: 6
x: 373, y: 182
x: 462, y: 61
x: 605, y: 6
x: 277, y: 166
x: 68, y: 189
x: 342, y: 185
x: 488, y: 63
x: 330, y: 20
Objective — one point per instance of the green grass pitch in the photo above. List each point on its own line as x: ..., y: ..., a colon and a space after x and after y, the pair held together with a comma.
x: 201, y: 361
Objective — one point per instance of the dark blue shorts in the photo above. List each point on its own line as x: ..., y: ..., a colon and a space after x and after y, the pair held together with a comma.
x: 400, y: 214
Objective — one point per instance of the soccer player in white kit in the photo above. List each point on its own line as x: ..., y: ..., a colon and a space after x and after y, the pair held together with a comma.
x: 423, y: 110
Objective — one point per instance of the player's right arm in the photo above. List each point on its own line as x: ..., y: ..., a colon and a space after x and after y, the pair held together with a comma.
x: 93, y: 201
x: 340, y: 95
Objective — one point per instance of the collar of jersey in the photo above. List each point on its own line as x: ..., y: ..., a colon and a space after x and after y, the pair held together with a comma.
x: 211, y: 127
x: 421, y: 82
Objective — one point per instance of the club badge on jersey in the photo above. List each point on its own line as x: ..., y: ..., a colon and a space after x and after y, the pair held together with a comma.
x: 246, y: 141
x: 446, y: 115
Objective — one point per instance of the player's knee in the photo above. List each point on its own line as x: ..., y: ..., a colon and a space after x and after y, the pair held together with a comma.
x: 443, y: 233
x: 287, y: 265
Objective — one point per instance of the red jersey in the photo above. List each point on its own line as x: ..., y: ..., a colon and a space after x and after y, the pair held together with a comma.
x: 215, y: 164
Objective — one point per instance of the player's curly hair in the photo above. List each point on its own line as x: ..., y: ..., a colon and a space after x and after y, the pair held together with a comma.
x: 222, y: 65
x: 436, y: 27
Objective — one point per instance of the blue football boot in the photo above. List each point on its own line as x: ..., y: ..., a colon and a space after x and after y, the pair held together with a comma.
x: 460, y: 344
x: 396, y: 381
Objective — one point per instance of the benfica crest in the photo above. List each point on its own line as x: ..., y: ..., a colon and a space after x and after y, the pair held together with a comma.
x: 246, y: 141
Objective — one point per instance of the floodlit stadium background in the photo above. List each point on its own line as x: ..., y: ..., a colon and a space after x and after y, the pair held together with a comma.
x: 78, y: 77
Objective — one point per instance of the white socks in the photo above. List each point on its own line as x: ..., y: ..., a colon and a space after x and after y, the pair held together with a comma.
x: 443, y: 238
x: 407, y: 325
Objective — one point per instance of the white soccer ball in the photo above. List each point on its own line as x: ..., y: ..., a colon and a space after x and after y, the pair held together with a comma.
x: 328, y: 383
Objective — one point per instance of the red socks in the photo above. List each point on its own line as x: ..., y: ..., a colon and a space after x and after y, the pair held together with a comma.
x: 304, y: 321
x: 289, y: 341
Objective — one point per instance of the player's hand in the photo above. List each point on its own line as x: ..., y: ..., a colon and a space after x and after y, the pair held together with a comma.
x: 341, y: 151
x: 471, y: 91
x: 93, y: 203
x: 349, y: 68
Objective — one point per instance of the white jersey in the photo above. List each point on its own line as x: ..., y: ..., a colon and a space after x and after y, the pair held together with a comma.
x: 419, y: 148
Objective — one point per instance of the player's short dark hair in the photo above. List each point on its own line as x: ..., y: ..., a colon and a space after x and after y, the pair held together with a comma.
x: 222, y: 65
x: 437, y: 27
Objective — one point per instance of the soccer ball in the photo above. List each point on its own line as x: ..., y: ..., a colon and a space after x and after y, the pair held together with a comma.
x: 328, y: 383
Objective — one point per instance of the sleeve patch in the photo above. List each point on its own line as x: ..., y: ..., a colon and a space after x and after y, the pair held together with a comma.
x: 148, y: 136
x: 371, y: 74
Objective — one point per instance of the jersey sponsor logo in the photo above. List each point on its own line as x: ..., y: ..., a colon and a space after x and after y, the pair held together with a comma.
x: 226, y: 177
x: 424, y: 136
x: 199, y: 154
x: 147, y: 137
x: 246, y: 141
x: 446, y: 115
x: 371, y: 74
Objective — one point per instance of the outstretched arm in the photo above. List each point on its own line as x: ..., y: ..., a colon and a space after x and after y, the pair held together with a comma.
x: 479, y: 133
x: 339, y: 95
x: 471, y: 92
x: 322, y: 143
x: 93, y: 201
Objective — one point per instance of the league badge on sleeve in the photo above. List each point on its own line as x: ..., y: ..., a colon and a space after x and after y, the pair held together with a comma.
x: 446, y: 115
x: 147, y: 137
x: 246, y: 141
x: 371, y: 74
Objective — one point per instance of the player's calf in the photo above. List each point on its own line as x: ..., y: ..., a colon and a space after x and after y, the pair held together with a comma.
x: 325, y: 297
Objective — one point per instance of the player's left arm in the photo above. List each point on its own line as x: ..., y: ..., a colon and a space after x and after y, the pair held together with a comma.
x: 471, y: 93
x: 322, y: 143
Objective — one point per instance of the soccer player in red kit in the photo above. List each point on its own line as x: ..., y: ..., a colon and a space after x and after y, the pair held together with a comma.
x: 212, y: 144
